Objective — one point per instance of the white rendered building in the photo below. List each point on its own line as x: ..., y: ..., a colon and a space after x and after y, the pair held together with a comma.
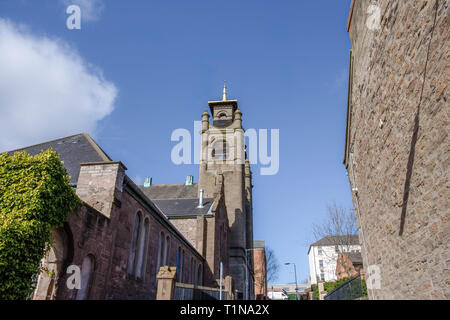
x: 323, y: 256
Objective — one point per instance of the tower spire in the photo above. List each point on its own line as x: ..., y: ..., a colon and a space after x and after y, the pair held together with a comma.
x: 224, y: 96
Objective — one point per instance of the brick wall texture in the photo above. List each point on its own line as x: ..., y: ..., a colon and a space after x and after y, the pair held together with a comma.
x: 398, y: 135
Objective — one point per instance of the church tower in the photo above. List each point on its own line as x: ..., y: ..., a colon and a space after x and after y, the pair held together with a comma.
x: 223, y: 158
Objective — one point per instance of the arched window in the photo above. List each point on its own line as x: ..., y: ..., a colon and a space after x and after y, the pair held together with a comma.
x: 219, y: 150
x: 161, y: 251
x: 87, y: 269
x: 199, y: 275
x: 222, y: 115
x: 132, y: 260
x: 182, y: 267
x: 179, y: 265
x: 142, y: 250
x: 166, y: 251
x: 192, y: 273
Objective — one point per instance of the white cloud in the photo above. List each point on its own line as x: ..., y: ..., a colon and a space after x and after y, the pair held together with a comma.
x: 47, y: 90
x: 91, y: 10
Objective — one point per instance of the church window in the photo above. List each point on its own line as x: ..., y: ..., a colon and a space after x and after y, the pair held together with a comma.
x: 192, y: 275
x: 142, y: 249
x: 180, y: 262
x: 219, y: 151
x: 166, y: 251
x: 222, y: 115
x: 160, y: 251
x: 134, y: 244
x: 199, y: 275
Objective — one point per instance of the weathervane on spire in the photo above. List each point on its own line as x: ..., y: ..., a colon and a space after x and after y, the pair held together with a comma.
x: 224, y: 96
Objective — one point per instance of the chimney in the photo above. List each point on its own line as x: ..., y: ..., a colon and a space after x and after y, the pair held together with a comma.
x: 189, y: 180
x: 100, y: 184
x: 200, y: 199
x: 148, y: 182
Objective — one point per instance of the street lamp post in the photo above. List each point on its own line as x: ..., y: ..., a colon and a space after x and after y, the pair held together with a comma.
x: 295, y: 272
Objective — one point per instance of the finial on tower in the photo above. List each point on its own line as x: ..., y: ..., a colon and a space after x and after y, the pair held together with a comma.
x: 224, y: 96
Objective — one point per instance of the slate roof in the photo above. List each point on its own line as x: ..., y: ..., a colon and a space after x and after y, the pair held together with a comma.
x: 183, y: 207
x: 177, y: 200
x: 334, y: 240
x: 73, y: 150
x: 171, y: 191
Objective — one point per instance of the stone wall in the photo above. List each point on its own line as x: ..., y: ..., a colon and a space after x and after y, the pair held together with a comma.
x: 188, y: 227
x: 397, y: 150
x: 106, y: 236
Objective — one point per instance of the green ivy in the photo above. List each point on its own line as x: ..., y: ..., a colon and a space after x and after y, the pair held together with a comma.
x: 35, y: 196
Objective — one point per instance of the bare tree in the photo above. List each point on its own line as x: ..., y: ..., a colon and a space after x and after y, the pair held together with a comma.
x: 340, y: 228
x: 272, y: 265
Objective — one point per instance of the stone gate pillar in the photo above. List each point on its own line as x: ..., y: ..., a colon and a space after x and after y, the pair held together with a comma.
x: 166, y: 283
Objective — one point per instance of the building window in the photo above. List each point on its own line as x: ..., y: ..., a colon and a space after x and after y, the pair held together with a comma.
x: 321, y: 263
x: 87, y: 268
x: 200, y: 275
x: 160, y: 251
x: 219, y: 151
x: 336, y: 248
x: 134, y: 244
x: 142, y: 250
x: 322, y: 276
x: 192, y: 276
x: 320, y: 251
x: 138, y: 250
x: 180, y: 263
x: 166, y: 251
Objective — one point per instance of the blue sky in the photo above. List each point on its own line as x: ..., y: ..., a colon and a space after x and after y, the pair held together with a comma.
x: 157, y: 63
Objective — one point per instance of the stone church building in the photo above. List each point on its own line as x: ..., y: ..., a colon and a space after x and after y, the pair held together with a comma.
x: 122, y: 234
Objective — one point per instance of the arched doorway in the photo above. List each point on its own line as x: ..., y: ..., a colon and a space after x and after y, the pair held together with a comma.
x: 52, y: 264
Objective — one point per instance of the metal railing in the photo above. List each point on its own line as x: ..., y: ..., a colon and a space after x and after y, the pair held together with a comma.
x: 184, y: 291
x: 350, y: 290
